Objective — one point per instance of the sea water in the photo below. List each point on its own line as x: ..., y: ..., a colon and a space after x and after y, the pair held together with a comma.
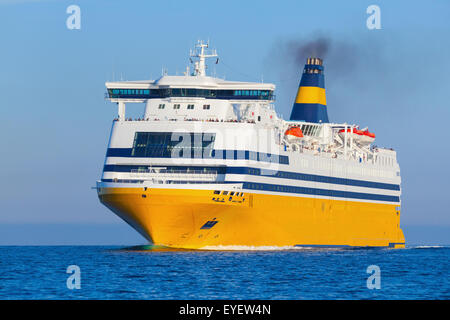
x: 146, y: 272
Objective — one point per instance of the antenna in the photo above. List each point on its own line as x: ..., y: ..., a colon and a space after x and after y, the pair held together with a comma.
x: 186, y: 73
x: 200, y: 53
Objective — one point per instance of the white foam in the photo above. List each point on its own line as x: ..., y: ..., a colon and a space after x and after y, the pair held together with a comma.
x: 426, y: 247
x: 252, y: 248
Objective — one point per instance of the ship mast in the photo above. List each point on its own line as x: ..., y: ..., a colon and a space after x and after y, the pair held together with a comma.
x: 200, y: 66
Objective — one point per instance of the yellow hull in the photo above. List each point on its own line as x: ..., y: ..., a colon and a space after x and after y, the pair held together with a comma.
x: 195, y: 219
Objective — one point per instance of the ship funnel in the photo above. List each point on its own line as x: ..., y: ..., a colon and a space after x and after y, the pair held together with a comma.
x: 311, y: 104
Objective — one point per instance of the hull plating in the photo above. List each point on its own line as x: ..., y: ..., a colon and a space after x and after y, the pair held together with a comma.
x: 195, y: 219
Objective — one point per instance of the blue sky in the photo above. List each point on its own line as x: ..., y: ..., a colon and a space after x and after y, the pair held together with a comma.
x: 55, y: 122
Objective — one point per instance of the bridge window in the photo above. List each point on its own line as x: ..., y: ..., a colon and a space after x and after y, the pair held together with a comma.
x: 190, y: 106
x: 176, y: 106
x: 161, y: 106
x: 191, y: 92
x: 173, y: 144
x: 206, y: 107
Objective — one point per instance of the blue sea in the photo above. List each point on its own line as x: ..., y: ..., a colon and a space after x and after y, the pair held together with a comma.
x: 145, y: 272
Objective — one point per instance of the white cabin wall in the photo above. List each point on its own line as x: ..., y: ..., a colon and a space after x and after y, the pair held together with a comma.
x: 218, y: 109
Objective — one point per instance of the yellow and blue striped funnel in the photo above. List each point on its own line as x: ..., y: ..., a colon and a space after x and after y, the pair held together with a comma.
x: 311, y: 103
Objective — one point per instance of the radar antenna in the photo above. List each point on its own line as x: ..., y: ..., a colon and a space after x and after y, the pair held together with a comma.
x: 200, y: 53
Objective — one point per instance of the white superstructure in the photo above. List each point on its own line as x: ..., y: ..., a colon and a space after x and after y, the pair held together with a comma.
x: 243, y: 119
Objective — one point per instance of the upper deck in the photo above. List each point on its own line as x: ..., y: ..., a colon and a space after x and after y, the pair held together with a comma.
x: 191, y: 85
x: 214, y: 103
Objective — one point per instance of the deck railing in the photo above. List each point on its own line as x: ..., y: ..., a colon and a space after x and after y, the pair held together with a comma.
x: 174, y: 175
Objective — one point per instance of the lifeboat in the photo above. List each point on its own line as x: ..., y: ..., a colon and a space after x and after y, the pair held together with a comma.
x: 368, y: 137
x: 358, y: 136
x: 354, y: 134
x: 293, y: 134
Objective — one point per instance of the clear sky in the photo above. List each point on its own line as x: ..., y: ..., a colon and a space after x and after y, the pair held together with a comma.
x: 55, y: 123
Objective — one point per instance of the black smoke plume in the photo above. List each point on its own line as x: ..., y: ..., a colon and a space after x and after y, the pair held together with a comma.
x: 301, y: 50
x: 341, y: 58
x: 345, y: 62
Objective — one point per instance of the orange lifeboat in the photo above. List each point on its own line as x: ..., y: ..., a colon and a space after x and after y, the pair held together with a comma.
x: 355, y: 134
x: 359, y: 136
x: 368, y: 137
x: 293, y: 134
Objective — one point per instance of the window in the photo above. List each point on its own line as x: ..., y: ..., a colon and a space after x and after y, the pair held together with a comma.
x: 190, y: 106
x: 176, y: 106
x: 173, y: 144
x: 191, y: 92
x: 206, y: 107
x: 161, y: 106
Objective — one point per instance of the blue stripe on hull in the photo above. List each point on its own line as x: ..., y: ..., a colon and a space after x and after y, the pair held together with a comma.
x: 285, y: 189
x: 216, y: 154
x: 264, y: 172
x: 320, y: 192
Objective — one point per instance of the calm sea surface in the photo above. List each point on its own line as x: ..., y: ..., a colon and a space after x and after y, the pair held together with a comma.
x: 153, y: 273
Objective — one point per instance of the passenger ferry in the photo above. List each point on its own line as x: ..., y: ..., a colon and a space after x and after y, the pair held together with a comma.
x: 211, y: 165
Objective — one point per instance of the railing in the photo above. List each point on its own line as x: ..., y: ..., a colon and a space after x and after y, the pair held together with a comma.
x: 177, y: 175
x: 187, y: 119
x: 213, y: 96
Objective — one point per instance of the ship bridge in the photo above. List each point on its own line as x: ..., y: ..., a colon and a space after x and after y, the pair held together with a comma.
x: 193, y: 95
x: 188, y: 86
